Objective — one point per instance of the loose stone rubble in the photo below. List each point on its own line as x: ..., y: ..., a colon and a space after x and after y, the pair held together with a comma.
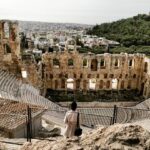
x: 116, y: 137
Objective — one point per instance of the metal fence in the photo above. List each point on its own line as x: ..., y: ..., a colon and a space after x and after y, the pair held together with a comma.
x: 12, y: 89
x: 91, y: 117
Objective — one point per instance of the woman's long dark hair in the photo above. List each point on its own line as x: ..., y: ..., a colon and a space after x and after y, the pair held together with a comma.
x: 73, y: 106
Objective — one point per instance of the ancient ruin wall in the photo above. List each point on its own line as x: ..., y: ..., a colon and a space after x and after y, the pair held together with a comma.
x: 10, y: 54
x: 59, y: 69
x: 9, y: 46
x: 106, y: 71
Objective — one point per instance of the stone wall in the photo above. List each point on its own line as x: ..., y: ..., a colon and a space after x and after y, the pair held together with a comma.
x: 10, y: 54
x: 99, y: 104
x: 71, y: 70
x: 104, y: 71
x: 9, y: 46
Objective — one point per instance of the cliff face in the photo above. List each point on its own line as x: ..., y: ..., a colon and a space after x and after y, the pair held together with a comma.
x: 116, y: 137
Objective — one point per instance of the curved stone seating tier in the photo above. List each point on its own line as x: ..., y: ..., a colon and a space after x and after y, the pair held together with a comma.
x: 121, y: 116
x: 143, y: 105
x: 7, y: 96
x: 92, y: 120
x: 97, y: 111
x: 13, y: 89
x: 8, y: 83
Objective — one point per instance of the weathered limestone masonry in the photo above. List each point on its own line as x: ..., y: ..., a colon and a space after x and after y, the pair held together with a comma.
x: 106, y: 71
x: 145, y: 80
x: 68, y: 69
x: 10, y: 54
x: 9, y: 46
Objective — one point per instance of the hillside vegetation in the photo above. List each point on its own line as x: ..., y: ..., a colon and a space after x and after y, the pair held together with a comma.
x: 132, y: 33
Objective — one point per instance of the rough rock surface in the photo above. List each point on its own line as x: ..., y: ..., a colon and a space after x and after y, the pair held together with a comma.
x: 49, y: 133
x: 116, y: 137
x: 2, y: 146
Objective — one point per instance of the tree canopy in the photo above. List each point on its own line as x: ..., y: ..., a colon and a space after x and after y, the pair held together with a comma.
x: 132, y: 33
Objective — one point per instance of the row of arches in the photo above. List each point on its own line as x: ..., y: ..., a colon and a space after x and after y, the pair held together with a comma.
x: 145, y: 67
x: 90, y: 84
x: 94, y: 64
x: 9, y: 31
x: 97, y: 76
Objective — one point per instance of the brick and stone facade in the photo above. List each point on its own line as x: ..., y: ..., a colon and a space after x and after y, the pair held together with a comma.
x: 105, y: 71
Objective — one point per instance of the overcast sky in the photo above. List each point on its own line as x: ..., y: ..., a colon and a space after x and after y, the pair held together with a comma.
x: 73, y: 11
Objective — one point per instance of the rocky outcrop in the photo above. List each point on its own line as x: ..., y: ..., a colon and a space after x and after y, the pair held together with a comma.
x: 116, y: 137
x: 50, y: 133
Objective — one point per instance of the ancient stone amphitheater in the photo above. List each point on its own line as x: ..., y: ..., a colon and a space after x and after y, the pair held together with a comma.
x: 71, y: 70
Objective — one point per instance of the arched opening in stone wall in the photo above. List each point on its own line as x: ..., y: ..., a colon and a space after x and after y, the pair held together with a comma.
x: 145, y: 91
x: 89, y: 76
x: 122, y: 85
x: 134, y: 76
x: 114, y: 84
x: 51, y: 76
x: 142, y: 89
x: 102, y: 63
x: 13, y: 34
x: 56, y: 84
x: 97, y: 76
x: 108, y: 84
x: 7, y: 49
x: 84, y: 85
x: 120, y: 76
x: 131, y: 62
x: 63, y: 83
x: 129, y: 84
x: 92, y: 84
x: 145, y: 67
x: 81, y: 75
x: 111, y: 76
x: 6, y: 30
x: 116, y: 63
x: 74, y: 75
x: 70, y: 84
x: 94, y: 65
x: 56, y: 63
x: 85, y: 63
x: 101, y: 84
x: 70, y: 62
x: 105, y: 75
x: 77, y: 84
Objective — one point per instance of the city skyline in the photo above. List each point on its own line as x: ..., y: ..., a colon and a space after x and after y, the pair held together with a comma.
x: 72, y: 11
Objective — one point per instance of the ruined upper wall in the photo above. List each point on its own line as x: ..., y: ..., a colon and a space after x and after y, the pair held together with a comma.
x: 9, y: 45
x: 92, y: 63
x: 126, y: 69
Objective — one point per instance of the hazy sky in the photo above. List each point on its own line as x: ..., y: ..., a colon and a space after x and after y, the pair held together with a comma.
x: 75, y: 11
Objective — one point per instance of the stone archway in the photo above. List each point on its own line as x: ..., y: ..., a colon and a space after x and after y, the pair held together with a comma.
x: 94, y: 64
x: 77, y: 84
x: 56, y: 85
x: 84, y: 85
x: 101, y: 84
x: 142, y: 89
x: 108, y: 84
x: 114, y: 84
x: 122, y: 84
x: 92, y: 84
x: 145, y: 67
x: 70, y: 83
x: 63, y: 83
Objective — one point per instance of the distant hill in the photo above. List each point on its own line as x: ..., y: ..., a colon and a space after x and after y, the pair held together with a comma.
x: 131, y: 31
x: 28, y: 26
